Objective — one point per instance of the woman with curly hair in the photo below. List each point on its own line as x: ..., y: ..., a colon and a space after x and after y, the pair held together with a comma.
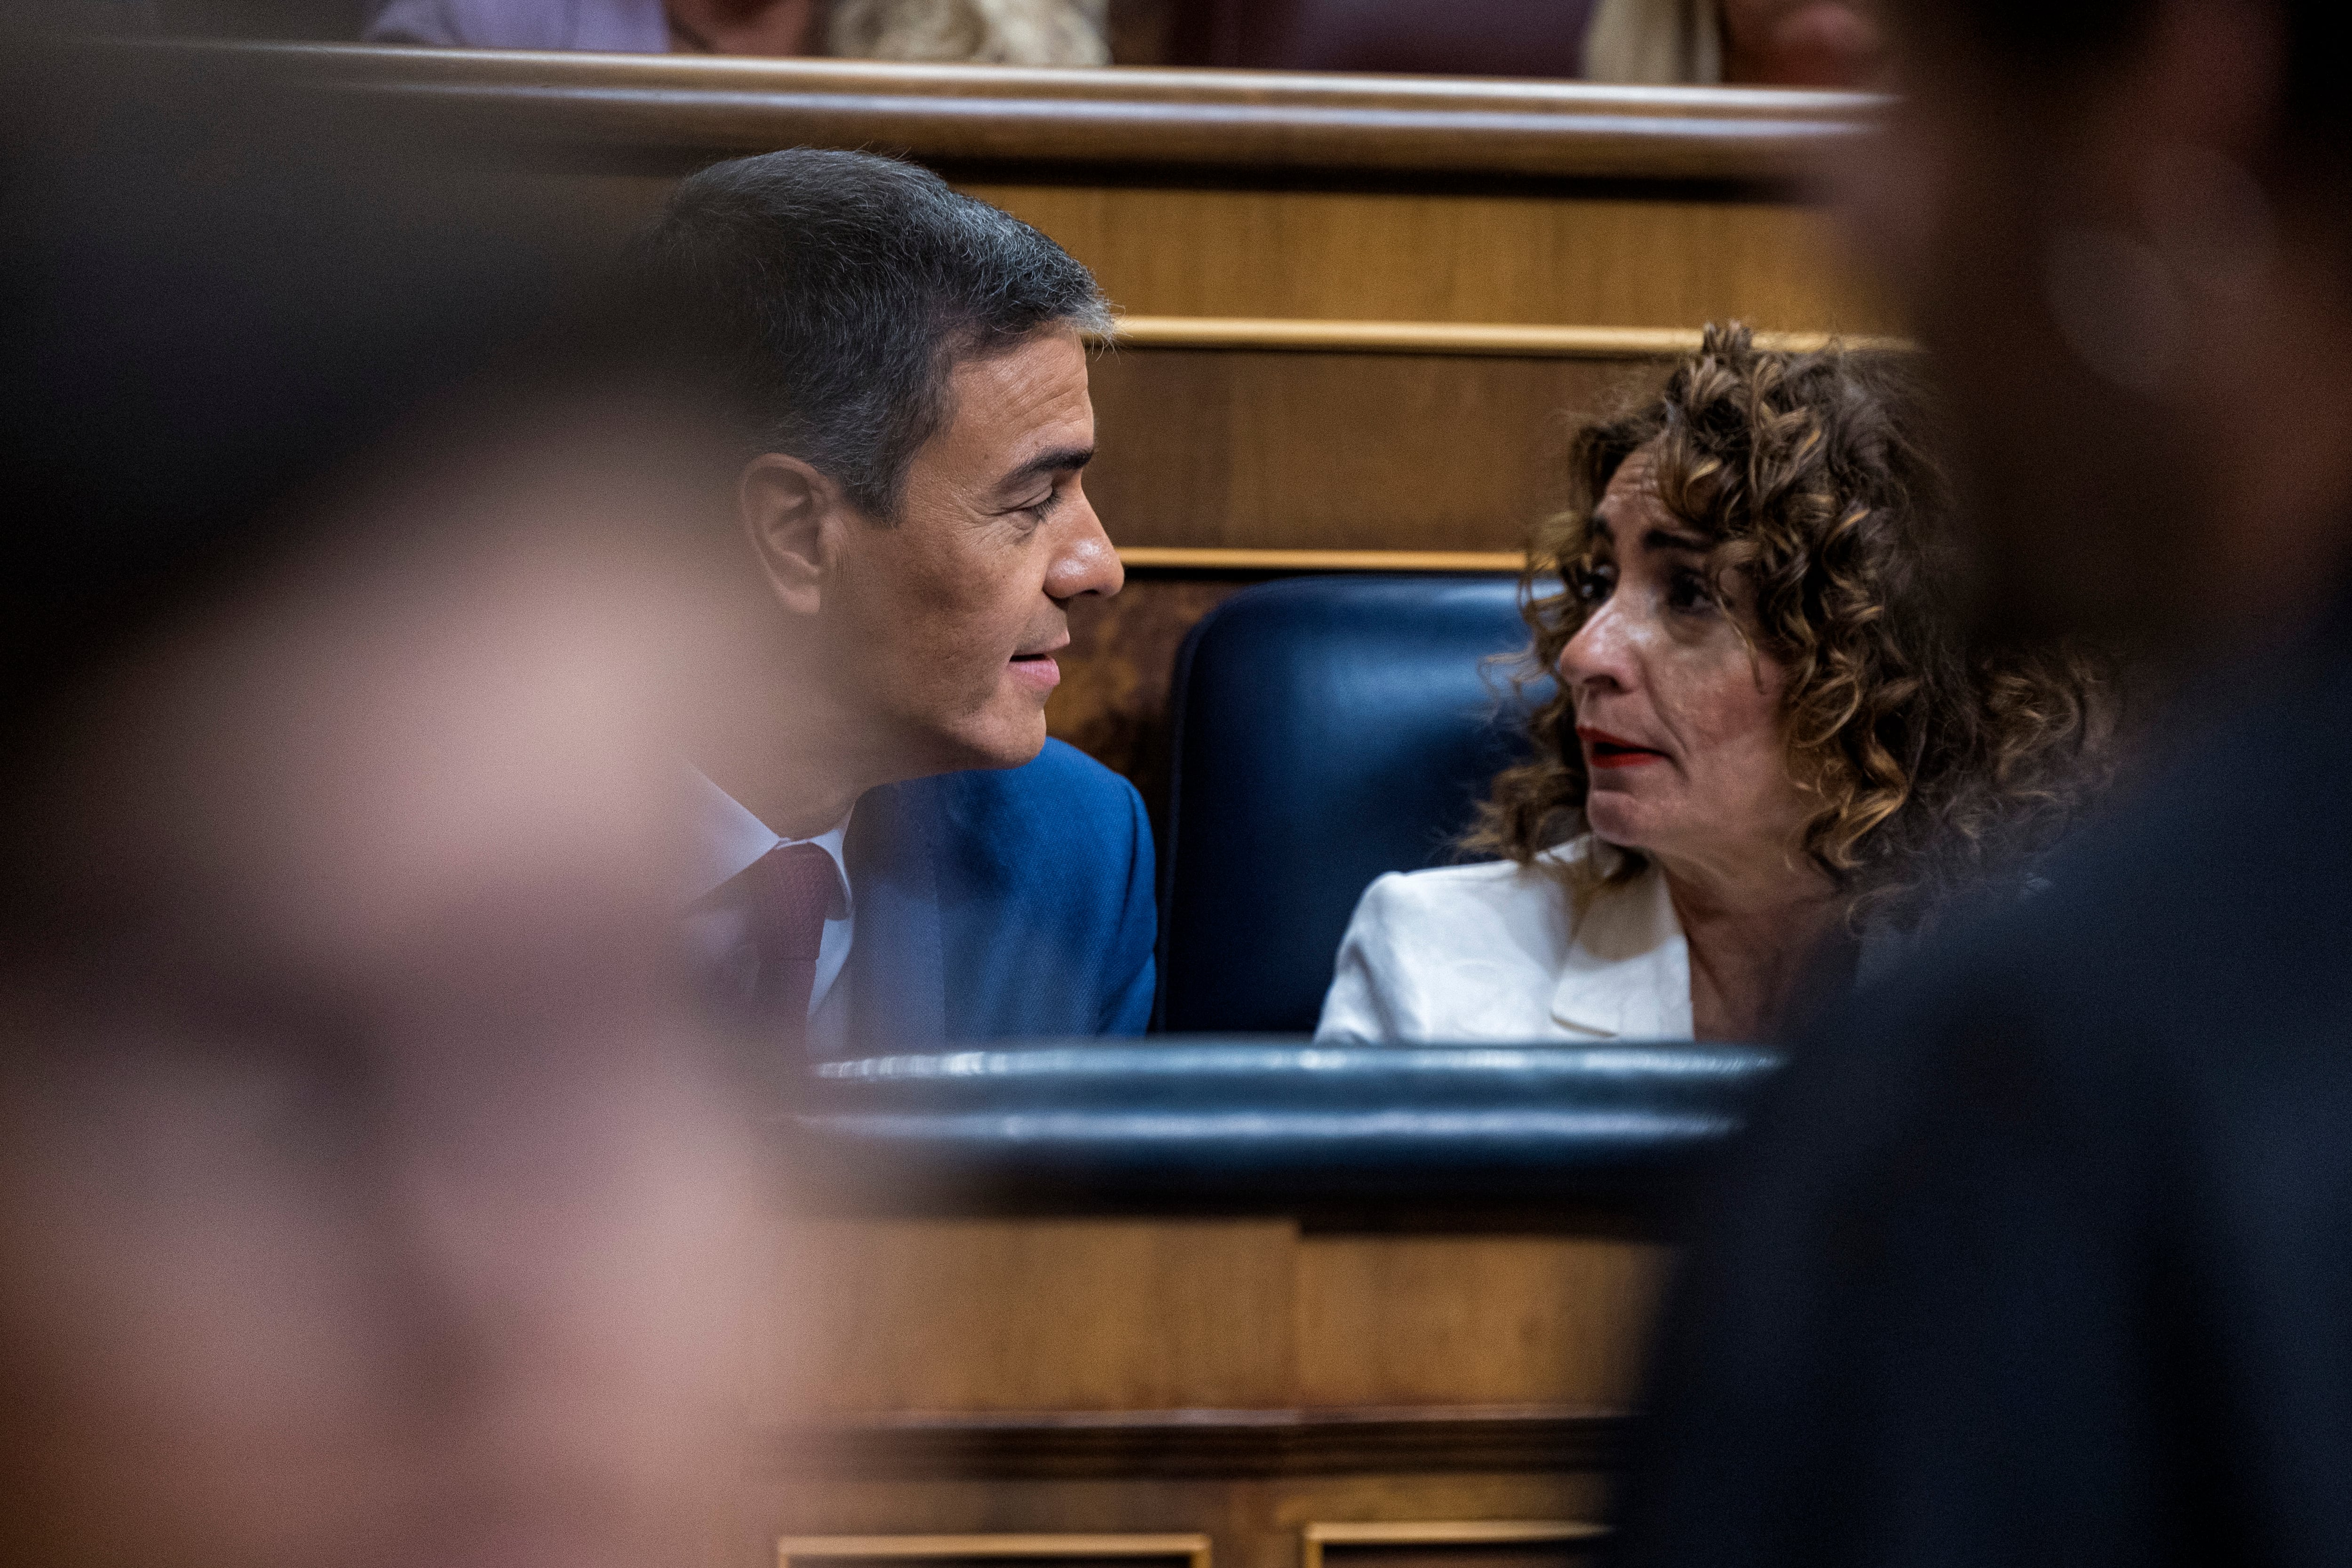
x: 1768, y: 737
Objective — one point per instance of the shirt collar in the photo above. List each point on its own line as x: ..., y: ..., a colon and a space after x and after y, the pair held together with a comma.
x: 1627, y: 972
x: 732, y: 837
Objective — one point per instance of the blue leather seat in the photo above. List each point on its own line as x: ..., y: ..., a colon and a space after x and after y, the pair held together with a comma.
x: 1326, y: 729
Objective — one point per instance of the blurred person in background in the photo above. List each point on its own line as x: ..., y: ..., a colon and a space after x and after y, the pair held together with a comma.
x: 2037, y: 1251
x: 895, y: 853
x: 1735, y: 43
x: 370, y: 1190
x: 977, y: 31
x: 1768, y: 754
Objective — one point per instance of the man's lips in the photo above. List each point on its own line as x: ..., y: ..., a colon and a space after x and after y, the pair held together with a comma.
x: 1039, y: 669
x: 1602, y: 749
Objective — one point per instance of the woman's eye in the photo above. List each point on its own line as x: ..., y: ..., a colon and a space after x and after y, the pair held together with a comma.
x: 1686, y: 592
x: 1591, y: 582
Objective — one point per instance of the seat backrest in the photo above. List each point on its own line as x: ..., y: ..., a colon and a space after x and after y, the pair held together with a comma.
x: 1326, y: 729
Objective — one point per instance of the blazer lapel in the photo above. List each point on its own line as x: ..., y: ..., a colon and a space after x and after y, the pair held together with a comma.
x: 1627, y: 976
x: 897, y: 963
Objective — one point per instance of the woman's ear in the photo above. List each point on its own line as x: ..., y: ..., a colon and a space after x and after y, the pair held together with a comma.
x: 783, y: 504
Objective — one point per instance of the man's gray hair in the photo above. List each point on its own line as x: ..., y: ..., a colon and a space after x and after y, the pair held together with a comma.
x: 843, y: 288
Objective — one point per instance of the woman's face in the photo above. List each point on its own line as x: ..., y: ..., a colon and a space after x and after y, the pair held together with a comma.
x: 1678, y: 719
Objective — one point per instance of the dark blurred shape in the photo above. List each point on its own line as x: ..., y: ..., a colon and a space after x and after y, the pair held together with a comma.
x: 218, y: 296
x: 1326, y: 730
x: 1477, y: 38
x: 1801, y: 43
x: 1141, y: 32
x: 369, y: 1192
x: 2036, y: 1253
x: 322, y: 21
x: 1272, y: 1126
x: 2102, y: 423
x: 1742, y: 42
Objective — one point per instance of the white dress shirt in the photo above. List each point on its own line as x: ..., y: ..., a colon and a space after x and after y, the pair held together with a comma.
x: 731, y: 839
x: 1502, y: 952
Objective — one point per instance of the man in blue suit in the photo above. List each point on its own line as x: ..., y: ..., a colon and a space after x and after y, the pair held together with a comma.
x: 896, y: 854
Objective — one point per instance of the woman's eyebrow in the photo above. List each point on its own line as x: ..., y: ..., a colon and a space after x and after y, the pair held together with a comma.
x: 1666, y: 538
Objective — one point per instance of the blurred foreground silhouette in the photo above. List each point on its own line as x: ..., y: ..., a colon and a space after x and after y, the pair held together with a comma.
x: 2036, y: 1254
x: 370, y: 1190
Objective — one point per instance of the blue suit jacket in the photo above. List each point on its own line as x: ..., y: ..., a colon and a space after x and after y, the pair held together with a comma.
x: 1001, y: 903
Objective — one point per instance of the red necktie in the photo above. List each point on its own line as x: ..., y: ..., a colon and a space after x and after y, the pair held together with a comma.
x: 786, y: 894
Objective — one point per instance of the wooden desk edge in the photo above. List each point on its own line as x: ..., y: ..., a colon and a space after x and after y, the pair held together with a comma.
x: 1469, y: 338
x: 1414, y: 1531
x: 1158, y: 558
x: 1409, y: 128
x: 1194, y: 1549
x: 1313, y: 1538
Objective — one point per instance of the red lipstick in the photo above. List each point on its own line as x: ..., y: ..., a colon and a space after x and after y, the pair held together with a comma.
x: 1602, y: 749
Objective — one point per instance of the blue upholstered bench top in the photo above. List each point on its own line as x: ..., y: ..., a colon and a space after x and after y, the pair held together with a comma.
x: 1270, y: 1126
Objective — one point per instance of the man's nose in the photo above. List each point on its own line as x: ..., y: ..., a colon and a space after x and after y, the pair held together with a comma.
x: 1600, y: 657
x: 1084, y: 562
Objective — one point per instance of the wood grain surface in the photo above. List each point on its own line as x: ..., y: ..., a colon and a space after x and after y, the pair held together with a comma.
x: 1252, y: 1522
x: 1239, y: 1378
x: 1451, y: 338
x: 689, y: 106
x: 1653, y: 257
x: 979, y: 1315
x: 1280, y: 450
x: 1062, y: 1445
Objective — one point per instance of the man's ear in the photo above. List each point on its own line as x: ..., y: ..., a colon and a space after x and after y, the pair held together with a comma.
x: 790, y: 512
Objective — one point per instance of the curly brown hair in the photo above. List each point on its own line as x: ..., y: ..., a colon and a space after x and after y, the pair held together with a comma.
x: 1934, y: 766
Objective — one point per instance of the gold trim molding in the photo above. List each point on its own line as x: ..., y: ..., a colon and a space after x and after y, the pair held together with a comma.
x: 1181, y: 559
x: 1314, y: 1537
x: 1496, y: 339
x: 1193, y: 1549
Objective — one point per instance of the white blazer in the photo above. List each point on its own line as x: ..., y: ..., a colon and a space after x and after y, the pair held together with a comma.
x: 1501, y: 952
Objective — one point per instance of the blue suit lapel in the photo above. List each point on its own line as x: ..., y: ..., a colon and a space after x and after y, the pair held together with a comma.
x: 898, y: 966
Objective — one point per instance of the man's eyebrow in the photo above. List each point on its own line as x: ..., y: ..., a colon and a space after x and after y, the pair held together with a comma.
x: 1060, y: 460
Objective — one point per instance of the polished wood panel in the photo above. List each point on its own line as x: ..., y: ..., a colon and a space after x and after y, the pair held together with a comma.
x: 979, y: 1315
x: 1562, y: 1550
x: 1062, y: 1445
x: 1654, y: 258
x: 1139, y: 558
x: 745, y: 75
x: 689, y: 106
x: 1252, y: 1522
x: 1192, y: 1549
x: 1445, y: 338
x: 1403, y: 1319
x: 1217, y: 449
x: 933, y: 1377
x: 1417, y: 1537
